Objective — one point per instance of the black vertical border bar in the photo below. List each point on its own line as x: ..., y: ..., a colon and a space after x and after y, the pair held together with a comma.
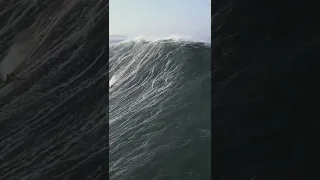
x: 216, y: 159
x: 276, y: 28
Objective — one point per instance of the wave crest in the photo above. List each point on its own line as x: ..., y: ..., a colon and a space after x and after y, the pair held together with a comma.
x: 173, y: 38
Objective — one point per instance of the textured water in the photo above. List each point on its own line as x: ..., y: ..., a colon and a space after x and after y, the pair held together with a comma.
x: 69, y: 115
x: 159, y: 110
x: 54, y: 120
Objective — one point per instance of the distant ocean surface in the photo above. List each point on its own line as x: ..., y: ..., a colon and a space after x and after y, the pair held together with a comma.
x: 159, y: 111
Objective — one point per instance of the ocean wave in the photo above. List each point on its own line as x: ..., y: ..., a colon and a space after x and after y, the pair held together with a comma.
x: 159, y: 107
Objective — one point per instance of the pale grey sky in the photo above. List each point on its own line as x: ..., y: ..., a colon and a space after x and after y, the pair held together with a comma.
x: 160, y: 18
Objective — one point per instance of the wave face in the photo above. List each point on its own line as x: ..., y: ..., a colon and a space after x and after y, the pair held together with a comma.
x: 159, y: 110
x: 53, y: 120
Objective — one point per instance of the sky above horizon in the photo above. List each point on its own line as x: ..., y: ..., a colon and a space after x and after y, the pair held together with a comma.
x: 160, y: 18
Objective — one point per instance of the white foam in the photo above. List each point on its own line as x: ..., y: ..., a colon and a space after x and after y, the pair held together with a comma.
x: 113, y: 80
x: 175, y: 38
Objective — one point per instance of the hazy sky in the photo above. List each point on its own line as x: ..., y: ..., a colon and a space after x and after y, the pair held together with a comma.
x: 160, y: 17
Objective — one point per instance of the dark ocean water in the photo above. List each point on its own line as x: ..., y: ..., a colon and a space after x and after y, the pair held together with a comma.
x: 160, y: 124
x: 54, y: 118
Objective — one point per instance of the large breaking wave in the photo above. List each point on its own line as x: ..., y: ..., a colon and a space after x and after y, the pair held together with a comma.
x: 159, y: 109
